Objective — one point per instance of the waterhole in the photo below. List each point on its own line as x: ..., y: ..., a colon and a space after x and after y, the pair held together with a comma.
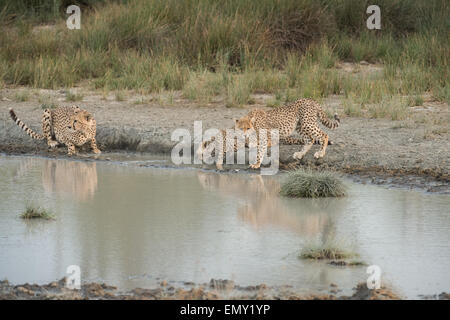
x: 134, y: 222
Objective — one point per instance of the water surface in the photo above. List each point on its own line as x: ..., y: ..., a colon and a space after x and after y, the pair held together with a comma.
x: 133, y: 226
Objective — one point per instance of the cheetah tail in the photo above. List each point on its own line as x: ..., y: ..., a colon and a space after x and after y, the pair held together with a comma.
x: 328, y: 122
x: 24, y: 127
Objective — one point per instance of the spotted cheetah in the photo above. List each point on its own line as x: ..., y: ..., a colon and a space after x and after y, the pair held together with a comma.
x: 212, y: 144
x: 221, y: 150
x: 71, y: 126
x: 300, y: 115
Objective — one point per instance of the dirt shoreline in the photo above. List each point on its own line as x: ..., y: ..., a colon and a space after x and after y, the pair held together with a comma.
x: 403, y: 153
x: 215, y: 290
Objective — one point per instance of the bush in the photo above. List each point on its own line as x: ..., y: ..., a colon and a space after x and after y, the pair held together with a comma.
x: 312, y: 184
x: 330, y: 249
x: 36, y: 213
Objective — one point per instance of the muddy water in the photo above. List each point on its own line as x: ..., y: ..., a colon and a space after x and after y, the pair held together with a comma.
x: 134, y: 226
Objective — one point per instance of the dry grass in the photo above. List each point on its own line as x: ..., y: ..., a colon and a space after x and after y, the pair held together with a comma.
x: 22, y: 96
x: 288, y: 48
x: 70, y: 96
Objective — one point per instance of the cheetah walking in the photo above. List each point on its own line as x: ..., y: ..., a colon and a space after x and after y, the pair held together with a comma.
x: 223, y: 148
x: 300, y: 116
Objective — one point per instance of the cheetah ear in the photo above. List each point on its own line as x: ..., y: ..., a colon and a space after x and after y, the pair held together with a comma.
x: 252, y: 120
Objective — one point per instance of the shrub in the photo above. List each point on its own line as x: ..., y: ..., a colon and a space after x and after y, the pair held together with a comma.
x: 36, y: 213
x: 330, y: 249
x: 312, y: 184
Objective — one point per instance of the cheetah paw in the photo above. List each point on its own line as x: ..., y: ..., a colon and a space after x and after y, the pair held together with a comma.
x: 298, y: 155
x: 97, y: 151
x: 52, y: 144
x: 255, y: 166
x: 318, y: 155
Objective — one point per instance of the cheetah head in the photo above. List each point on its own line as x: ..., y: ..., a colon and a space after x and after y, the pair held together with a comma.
x: 83, y: 121
x: 245, y: 123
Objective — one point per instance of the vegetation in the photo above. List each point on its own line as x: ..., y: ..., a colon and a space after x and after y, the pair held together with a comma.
x: 232, y: 48
x: 312, y: 184
x: 32, y: 212
x: 330, y: 249
x: 70, y: 96
x: 21, y: 96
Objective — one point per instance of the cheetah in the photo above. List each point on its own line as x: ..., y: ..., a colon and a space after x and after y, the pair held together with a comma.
x: 300, y: 115
x: 212, y: 144
x: 71, y: 126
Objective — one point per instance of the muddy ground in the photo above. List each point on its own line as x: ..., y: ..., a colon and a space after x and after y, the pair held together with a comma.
x: 216, y: 289
x: 412, y: 153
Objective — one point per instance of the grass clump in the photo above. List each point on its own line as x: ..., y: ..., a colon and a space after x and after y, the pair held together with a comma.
x: 32, y: 212
x: 70, y: 96
x: 48, y: 106
x: 312, y: 184
x: 120, y: 96
x: 414, y: 101
x: 22, y: 96
x: 330, y: 249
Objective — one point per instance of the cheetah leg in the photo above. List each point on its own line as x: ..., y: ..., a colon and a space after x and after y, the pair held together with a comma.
x: 94, y: 146
x: 299, y: 155
x: 201, y: 148
x: 47, y: 128
x: 71, y: 149
x: 262, y: 149
x: 219, y: 152
x: 323, y: 142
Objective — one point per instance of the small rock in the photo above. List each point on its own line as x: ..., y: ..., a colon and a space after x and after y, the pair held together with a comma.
x: 221, y: 284
x: 25, y: 291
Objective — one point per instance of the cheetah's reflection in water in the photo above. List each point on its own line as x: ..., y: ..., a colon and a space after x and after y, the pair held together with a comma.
x: 70, y: 178
x: 263, y: 207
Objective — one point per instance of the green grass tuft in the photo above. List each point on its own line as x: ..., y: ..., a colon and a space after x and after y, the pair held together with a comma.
x: 22, y: 96
x: 330, y: 249
x: 36, y: 213
x: 312, y: 184
x: 70, y: 96
x: 120, y: 96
